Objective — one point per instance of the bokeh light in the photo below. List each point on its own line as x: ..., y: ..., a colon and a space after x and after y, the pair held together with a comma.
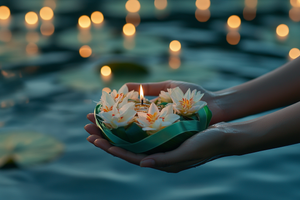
x: 249, y: 13
x: 282, y: 30
x: 106, y: 89
x: 202, y: 15
x: 84, y: 21
x: 160, y: 4
x: 47, y: 29
x: 97, y: 17
x: 234, y: 21
x: 294, y: 53
x: 175, y: 46
x: 50, y: 3
x: 31, y: 18
x: 294, y: 14
x: 105, y: 70
x: 85, y: 51
x: 295, y: 3
x: 129, y: 29
x: 4, y: 12
x: 133, y: 18
x: 251, y: 3
x: 174, y: 62
x: 46, y: 13
x: 32, y: 49
x: 233, y: 37
x: 202, y: 4
x: 133, y: 6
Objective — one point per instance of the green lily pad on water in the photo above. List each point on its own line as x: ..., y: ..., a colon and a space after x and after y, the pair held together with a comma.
x: 25, y: 149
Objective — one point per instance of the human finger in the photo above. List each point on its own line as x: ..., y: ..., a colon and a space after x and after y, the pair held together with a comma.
x: 92, y: 129
x: 151, y: 89
x: 91, y: 117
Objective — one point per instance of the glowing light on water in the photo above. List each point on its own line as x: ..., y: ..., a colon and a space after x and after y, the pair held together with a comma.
x: 31, y: 18
x: 5, y: 35
x: 174, y: 62
x: 295, y: 3
x: 85, y: 51
x: 233, y: 37
x: 105, y: 70
x: 249, y: 13
x: 4, y: 12
x: 202, y: 15
x: 160, y: 4
x: 32, y: 49
x: 202, y: 4
x: 106, y: 89
x: 7, y: 74
x: 97, y: 17
x: 46, y: 13
x: 133, y: 18
x: 84, y: 21
x: 294, y: 53
x: 251, y: 3
x: 175, y: 46
x: 133, y: 6
x: 234, y: 21
x: 294, y: 14
x: 47, y: 28
x: 282, y: 30
x: 50, y: 3
x: 129, y: 29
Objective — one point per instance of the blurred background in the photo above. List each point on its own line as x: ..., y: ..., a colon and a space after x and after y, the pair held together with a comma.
x: 56, y: 57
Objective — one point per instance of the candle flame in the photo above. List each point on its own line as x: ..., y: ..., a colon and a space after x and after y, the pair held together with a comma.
x: 141, y: 93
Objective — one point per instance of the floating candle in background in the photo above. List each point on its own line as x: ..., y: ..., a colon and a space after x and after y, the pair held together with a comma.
x: 133, y: 6
x: 294, y: 14
x: 31, y: 20
x: 282, y: 31
x: 249, y: 12
x: 160, y: 4
x: 97, y: 17
x: 202, y: 15
x: 46, y: 13
x: 85, y: 51
x: 4, y: 12
x: 129, y: 29
x: 84, y: 22
x: 175, y: 47
x: 294, y: 53
x: 106, y: 73
x: 202, y: 4
x: 234, y: 21
x: 295, y: 3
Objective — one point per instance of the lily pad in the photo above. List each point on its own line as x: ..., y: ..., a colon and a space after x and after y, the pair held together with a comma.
x: 25, y: 149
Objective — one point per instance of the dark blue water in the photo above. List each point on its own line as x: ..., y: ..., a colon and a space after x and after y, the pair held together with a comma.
x: 50, y: 91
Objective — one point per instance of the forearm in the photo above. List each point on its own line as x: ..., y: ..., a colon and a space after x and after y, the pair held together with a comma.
x: 278, y: 88
x: 277, y: 129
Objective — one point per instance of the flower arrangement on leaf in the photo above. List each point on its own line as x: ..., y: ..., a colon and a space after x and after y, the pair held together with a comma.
x: 141, y: 126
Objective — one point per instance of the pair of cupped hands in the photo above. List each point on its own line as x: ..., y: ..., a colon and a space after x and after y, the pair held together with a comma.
x: 199, y: 149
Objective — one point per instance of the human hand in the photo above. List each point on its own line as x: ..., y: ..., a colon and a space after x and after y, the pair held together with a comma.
x: 199, y: 149
x: 213, y: 101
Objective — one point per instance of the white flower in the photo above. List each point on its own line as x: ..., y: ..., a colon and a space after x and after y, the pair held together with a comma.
x: 122, y: 93
x: 118, y: 117
x: 107, y: 102
x: 165, y: 96
x: 154, y: 120
x: 188, y: 103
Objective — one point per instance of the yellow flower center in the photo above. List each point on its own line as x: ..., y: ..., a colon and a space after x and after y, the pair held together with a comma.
x: 152, y: 118
x: 107, y: 109
x: 186, y: 104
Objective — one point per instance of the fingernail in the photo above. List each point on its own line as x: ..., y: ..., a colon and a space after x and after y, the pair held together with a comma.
x: 147, y: 163
x: 92, y: 138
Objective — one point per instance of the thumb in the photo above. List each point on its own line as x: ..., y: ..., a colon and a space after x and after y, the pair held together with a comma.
x: 151, y: 89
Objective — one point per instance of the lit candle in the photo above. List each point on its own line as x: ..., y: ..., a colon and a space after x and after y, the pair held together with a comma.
x: 141, y: 95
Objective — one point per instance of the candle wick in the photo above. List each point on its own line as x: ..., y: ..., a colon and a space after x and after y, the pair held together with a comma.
x: 142, y: 101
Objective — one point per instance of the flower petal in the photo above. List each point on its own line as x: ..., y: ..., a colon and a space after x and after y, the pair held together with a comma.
x: 152, y: 109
